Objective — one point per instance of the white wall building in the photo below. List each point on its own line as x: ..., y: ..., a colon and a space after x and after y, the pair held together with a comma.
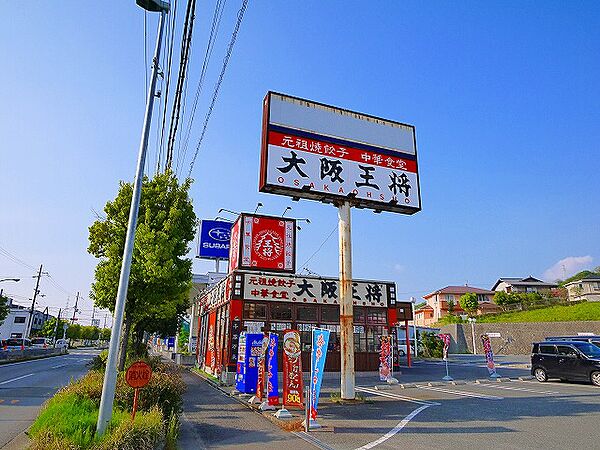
x: 15, y: 324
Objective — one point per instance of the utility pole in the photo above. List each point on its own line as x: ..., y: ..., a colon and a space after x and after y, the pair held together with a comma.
x: 346, y: 304
x: 35, y: 294
x: 104, y: 321
x: 56, y: 325
x: 110, y: 374
x: 75, y: 309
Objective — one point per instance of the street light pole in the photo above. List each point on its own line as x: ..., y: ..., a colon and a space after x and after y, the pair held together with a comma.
x: 110, y: 375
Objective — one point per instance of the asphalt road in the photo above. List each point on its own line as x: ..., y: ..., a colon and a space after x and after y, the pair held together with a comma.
x: 485, y: 414
x: 24, y: 386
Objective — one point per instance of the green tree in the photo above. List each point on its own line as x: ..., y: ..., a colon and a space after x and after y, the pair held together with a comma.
x: 161, y: 275
x: 4, y: 309
x: 105, y: 334
x: 89, y: 333
x: 500, y: 298
x: 469, y: 303
x: 451, y: 306
x: 48, y: 328
x: 74, y: 331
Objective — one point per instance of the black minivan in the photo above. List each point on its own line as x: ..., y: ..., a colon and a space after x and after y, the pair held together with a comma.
x: 567, y: 360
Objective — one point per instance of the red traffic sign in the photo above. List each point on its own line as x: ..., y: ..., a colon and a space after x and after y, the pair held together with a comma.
x: 138, y: 375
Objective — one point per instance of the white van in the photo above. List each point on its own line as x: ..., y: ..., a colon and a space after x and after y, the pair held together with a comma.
x: 61, y: 343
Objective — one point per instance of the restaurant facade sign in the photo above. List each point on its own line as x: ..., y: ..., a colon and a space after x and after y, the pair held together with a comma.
x: 310, y: 289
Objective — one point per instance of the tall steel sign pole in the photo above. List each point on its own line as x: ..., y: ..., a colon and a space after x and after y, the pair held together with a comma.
x: 346, y: 305
x: 110, y: 375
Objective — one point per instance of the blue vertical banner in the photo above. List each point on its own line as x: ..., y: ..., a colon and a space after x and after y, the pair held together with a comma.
x: 272, y: 381
x: 248, y: 355
x: 320, y: 341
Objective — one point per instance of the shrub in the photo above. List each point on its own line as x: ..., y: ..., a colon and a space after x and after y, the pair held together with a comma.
x: 164, y: 391
x: 99, y: 362
x: 432, y: 346
x: 145, y: 433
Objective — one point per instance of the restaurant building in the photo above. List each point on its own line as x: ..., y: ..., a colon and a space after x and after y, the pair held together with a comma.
x: 273, y: 302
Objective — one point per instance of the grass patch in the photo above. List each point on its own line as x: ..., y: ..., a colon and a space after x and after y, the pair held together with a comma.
x: 359, y: 397
x: 577, y: 312
x: 72, y: 420
x: 206, y: 374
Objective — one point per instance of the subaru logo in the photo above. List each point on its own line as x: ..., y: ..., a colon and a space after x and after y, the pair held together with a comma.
x: 220, y: 234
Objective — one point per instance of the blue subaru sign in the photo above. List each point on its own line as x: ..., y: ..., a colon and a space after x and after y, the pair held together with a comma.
x: 214, y: 239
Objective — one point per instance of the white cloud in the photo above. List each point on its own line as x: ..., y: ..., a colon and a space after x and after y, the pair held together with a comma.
x: 567, y: 267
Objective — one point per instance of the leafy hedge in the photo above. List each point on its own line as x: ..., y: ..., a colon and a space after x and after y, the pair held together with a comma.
x: 68, y: 420
x: 164, y: 391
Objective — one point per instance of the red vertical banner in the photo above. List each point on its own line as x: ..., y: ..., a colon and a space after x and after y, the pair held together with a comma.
x: 261, y: 380
x: 234, y: 245
x: 210, y: 358
x: 445, y: 337
x: 385, y: 358
x: 292, y: 369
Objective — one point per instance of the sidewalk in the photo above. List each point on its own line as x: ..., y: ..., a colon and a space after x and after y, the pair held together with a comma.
x: 211, y: 419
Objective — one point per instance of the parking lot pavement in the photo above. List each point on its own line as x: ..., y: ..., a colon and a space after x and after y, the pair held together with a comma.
x: 475, y: 414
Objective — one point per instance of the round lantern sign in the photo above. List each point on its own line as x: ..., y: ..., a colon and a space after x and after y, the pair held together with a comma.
x: 138, y: 375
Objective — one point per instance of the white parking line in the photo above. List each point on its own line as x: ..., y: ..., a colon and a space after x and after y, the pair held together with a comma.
x: 396, y: 429
x: 461, y: 393
x: 18, y: 378
x: 512, y: 388
x: 396, y: 396
x: 571, y: 387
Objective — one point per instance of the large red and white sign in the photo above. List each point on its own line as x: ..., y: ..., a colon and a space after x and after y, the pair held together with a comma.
x: 320, y: 152
x: 263, y: 243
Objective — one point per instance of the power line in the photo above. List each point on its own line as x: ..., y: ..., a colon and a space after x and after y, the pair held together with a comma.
x: 146, y: 52
x: 214, y: 31
x: 186, y: 40
x: 240, y: 17
x: 320, y: 247
x: 12, y: 257
x: 171, y: 39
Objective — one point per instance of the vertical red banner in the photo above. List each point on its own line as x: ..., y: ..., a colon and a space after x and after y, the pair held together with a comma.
x: 292, y: 369
x: 210, y: 358
x: 261, y: 381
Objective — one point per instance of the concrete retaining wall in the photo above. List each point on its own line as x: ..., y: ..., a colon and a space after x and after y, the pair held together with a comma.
x: 29, y: 353
x: 516, y: 338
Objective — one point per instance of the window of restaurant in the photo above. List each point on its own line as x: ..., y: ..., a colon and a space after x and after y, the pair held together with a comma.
x: 280, y: 311
x: 255, y: 311
x: 330, y: 314
x: 305, y: 330
x: 360, y: 338
x: 307, y: 313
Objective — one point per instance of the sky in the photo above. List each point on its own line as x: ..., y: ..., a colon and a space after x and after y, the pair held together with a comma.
x: 504, y: 97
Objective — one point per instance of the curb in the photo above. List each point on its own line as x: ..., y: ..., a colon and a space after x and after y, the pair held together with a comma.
x: 19, y: 442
